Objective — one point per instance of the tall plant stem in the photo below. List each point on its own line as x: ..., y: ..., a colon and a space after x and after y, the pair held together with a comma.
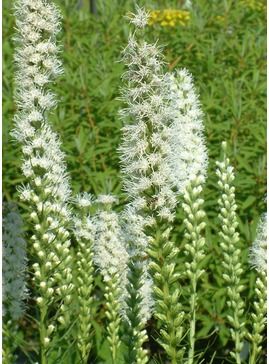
x: 43, y: 334
x: 135, y: 333
x: 168, y: 310
x: 194, y: 249
x: 112, y: 314
x: 192, y: 322
x: 258, y: 317
x: 231, y: 263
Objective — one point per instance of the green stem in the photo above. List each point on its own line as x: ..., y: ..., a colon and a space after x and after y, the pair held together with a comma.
x: 168, y: 309
x: 135, y: 334
x: 43, y: 334
x: 254, y: 352
x: 113, y: 316
x: 8, y: 343
x: 237, y: 348
x: 192, y: 322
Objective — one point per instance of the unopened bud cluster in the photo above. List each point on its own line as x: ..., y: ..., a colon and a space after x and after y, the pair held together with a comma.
x: 84, y: 231
x: 194, y: 249
x: 194, y: 223
x: 229, y: 239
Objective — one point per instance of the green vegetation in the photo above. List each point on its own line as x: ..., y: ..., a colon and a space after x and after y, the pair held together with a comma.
x: 224, y: 46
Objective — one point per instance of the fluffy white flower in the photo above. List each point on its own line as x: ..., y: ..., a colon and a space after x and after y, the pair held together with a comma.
x: 147, y: 304
x: 258, y: 252
x: 139, y: 18
x: 106, y: 199
x: 187, y: 156
x: 145, y: 143
x: 47, y: 189
x: 84, y: 200
x: 110, y: 254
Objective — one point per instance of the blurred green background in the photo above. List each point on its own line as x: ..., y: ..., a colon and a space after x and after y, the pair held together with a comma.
x: 223, y: 44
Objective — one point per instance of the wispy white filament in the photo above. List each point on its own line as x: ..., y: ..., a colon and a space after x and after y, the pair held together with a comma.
x: 258, y: 252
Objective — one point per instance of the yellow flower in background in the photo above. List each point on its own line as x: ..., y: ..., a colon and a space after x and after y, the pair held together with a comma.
x: 254, y: 4
x: 169, y: 17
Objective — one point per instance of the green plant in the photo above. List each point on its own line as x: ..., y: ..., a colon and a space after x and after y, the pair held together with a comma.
x: 86, y: 119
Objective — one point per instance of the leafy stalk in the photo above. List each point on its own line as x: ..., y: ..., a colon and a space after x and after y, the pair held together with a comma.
x: 231, y: 253
x: 258, y: 258
x: 84, y: 230
x: 258, y: 318
x: 136, y: 334
x: 113, y: 315
x: 194, y: 249
x: 168, y: 309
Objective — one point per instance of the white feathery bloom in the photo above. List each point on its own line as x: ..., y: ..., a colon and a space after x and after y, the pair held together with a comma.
x: 14, y: 263
x: 258, y: 251
x: 187, y: 156
x: 140, y: 18
x: 163, y: 144
x: 106, y: 199
x: 133, y: 225
x: 84, y: 200
x: 47, y: 189
x: 110, y: 254
x: 41, y: 146
x: 145, y: 143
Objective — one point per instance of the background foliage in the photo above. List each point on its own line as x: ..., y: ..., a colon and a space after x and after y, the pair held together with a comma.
x: 224, y: 46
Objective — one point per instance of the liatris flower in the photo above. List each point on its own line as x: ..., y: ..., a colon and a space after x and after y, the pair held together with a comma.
x: 194, y: 248
x: 111, y: 257
x: 187, y: 156
x: 84, y: 231
x: 231, y: 253
x: 47, y: 190
x: 258, y: 259
x: 144, y: 144
x: 14, y: 278
x: 147, y: 181
x: 162, y: 149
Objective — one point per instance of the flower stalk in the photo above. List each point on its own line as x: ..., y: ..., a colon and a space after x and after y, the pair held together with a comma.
x: 46, y: 188
x: 137, y: 302
x: 258, y: 258
x: 194, y: 249
x: 231, y: 253
x: 84, y: 231
x: 111, y: 258
x: 162, y: 112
